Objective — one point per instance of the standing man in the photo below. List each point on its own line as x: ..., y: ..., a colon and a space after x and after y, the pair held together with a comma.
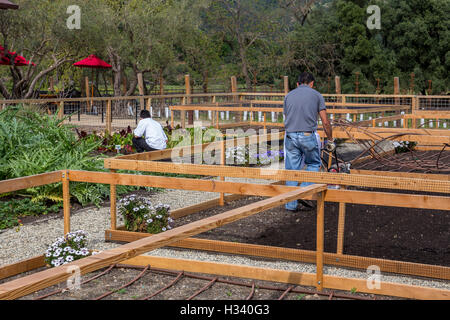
x: 302, y: 107
x: 149, y: 134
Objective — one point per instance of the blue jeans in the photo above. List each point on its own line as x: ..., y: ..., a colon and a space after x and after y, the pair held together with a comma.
x: 301, y: 149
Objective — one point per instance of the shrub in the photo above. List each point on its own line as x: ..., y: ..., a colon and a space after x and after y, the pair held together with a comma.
x: 34, y: 143
x: 140, y: 216
x: 12, y: 210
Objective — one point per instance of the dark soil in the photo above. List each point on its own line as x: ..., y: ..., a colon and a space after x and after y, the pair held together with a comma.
x: 188, y: 285
x: 411, y: 235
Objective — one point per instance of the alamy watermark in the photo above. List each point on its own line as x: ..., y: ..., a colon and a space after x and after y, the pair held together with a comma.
x: 237, y: 147
x: 73, y: 22
x: 74, y: 281
x: 374, y: 277
x: 374, y: 21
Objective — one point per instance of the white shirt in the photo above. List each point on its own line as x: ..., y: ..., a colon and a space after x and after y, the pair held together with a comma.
x: 153, y: 132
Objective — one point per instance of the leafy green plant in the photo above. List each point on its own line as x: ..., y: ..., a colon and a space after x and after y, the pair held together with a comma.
x: 108, y: 142
x: 34, y: 143
x: 12, y: 210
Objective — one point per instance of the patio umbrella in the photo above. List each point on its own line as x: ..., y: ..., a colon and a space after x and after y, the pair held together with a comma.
x: 18, y: 61
x: 5, y: 4
x: 92, y: 62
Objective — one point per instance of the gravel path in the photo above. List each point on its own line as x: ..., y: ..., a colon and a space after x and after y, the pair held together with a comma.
x: 32, y: 239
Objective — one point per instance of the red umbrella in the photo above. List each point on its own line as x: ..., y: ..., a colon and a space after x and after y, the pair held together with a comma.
x: 18, y: 61
x: 5, y: 4
x: 92, y: 62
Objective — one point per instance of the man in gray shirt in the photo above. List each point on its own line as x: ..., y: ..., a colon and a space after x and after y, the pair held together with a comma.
x: 302, y: 107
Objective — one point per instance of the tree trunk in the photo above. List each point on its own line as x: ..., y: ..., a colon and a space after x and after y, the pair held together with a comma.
x: 244, y: 66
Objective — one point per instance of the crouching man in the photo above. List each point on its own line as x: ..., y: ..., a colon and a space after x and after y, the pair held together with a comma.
x: 149, y: 134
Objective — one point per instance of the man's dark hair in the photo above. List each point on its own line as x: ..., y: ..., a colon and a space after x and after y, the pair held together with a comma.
x: 145, y: 114
x: 305, y: 78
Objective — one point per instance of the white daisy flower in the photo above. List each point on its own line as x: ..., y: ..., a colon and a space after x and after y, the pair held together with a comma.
x: 69, y: 258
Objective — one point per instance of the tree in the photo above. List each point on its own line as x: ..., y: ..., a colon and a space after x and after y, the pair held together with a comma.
x: 201, y: 53
x: 39, y: 31
x: 299, y: 9
x: 245, y: 22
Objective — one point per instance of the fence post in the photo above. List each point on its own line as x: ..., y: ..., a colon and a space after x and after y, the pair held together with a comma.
x: 141, y: 90
x: 61, y: 110
x: 337, y: 83
x: 320, y: 240
x: 397, y: 89
x: 86, y: 85
x: 341, y: 226
x: 66, y: 201
x: 222, y: 162
x: 187, y: 83
x: 286, y: 84
x: 234, y: 90
x: 113, y: 200
x: 108, y: 117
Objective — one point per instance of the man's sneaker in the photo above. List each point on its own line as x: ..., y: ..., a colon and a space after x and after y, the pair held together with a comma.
x: 309, y: 205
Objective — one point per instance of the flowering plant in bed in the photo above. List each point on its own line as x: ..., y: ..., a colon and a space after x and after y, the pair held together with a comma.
x: 66, y: 249
x: 140, y: 215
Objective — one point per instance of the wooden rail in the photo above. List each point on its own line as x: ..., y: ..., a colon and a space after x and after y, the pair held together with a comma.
x: 397, y: 183
x: 26, y: 285
x: 292, y: 277
x: 29, y: 182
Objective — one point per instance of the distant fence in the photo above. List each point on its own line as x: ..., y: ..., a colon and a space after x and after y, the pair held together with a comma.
x: 111, y: 113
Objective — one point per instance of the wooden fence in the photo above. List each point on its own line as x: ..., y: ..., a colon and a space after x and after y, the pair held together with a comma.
x: 276, y: 193
x: 118, y: 112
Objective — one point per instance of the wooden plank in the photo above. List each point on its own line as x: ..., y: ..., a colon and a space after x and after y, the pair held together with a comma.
x: 319, y: 240
x: 21, y: 267
x: 175, y: 214
x: 341, y: 134
x: 66, y: 201
x: 341, y: 228
x: 113, y: 203
x: 399, y: 183
x: 391, y: 131
x: 364, y: 108
x: 20, y: 287
x: 292, y: 277
x: 180, y: 183
x: 30, y: 182
x: 307, y: 256
x: 429, y: 176
x: 389, y: 199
